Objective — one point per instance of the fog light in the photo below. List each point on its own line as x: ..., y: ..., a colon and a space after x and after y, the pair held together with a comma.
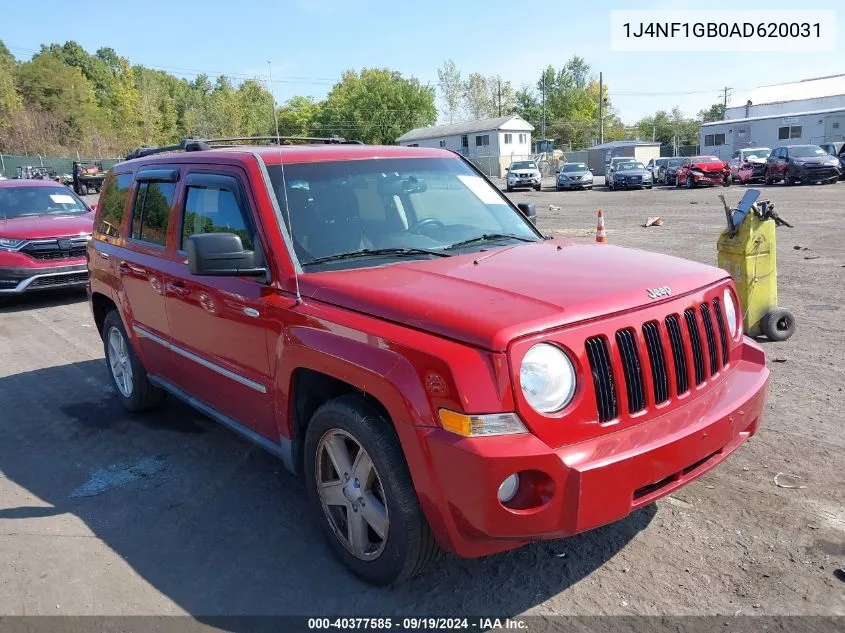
x: 508, y: 488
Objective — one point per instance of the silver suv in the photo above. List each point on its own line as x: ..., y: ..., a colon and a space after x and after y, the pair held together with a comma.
x: 524, y: 174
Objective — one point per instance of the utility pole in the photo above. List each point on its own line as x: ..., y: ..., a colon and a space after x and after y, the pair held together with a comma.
x: 499, y: 81
x: 725, y: 98
x: 543, y: 132
x: 601, y: 108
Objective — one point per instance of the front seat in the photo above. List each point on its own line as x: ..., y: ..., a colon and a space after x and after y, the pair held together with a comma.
x: 340, y: 229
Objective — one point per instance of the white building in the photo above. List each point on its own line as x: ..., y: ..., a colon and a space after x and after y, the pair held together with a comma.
x: 809, y: 111
x: 491, y: 144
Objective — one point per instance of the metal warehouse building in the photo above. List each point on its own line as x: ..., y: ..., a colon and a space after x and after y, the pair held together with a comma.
x: 809, y: 111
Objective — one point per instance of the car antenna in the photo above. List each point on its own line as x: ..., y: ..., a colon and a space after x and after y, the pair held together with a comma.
x: 284, y: 182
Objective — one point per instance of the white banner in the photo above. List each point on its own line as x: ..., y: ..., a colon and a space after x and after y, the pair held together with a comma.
x: 722, y: 31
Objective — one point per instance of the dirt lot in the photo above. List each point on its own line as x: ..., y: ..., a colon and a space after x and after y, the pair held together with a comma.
x: 107, y: 513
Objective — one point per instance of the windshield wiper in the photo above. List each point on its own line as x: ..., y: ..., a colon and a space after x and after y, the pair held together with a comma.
x: 490, y: 237
x: 369, y: 252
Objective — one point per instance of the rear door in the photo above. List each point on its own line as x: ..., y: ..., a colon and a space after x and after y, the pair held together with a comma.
x: 219, y: 325
x: 141, y: 262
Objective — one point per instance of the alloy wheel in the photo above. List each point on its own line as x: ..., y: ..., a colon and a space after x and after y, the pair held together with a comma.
x: 120, y: 362
x: 351, y: 494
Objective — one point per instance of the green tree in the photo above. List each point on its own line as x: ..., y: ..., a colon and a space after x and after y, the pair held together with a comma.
x: 10, y: 101
x: 451, y: 89
x: 715, y: 112
x: 377, y: 105
x: 299, y: 116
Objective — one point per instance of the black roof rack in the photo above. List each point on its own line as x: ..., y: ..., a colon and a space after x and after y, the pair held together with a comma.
x: 198, y: 145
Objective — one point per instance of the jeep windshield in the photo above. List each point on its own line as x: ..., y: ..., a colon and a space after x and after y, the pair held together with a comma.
x: 358, y: 213
x: 18, y: 201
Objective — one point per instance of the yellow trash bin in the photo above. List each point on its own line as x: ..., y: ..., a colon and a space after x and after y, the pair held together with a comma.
x: 748, y: 252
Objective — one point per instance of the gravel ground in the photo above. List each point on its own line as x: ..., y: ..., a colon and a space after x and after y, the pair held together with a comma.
x: 107, y: 513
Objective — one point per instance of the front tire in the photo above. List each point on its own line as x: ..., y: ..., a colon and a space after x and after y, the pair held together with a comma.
x: 690, y: 183
x: 134, y: 390
x: 360, y: 487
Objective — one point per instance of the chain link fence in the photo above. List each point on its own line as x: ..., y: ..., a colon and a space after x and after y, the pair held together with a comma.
x: 52, y: 165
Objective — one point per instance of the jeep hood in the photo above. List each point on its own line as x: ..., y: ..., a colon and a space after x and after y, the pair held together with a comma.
x: 487, y: 299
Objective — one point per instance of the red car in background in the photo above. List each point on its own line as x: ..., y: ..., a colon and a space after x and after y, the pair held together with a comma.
x: 44, y: 231
x: 703, y: 170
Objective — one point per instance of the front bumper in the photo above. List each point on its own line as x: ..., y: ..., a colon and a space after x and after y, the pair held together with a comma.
x: 815, y: 174
x: 595, y: 482
x: 20, y: 280
x: 632, y: 184
x: 716, y: 178
x: 523, y: 182
x: 574, y: 184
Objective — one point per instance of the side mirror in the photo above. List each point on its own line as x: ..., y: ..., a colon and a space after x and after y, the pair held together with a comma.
x: 529, y: 210
x: 221, y: 254
x: 93, y: 207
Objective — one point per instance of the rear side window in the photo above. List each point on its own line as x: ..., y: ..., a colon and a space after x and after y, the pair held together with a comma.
x: 211, y: 209
x: 151, y: 211
x: 112, y: 203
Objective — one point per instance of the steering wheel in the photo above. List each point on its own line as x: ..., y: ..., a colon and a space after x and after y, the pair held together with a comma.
x: 434, y: 222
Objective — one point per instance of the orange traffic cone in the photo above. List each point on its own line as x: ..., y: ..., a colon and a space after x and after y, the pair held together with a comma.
x: 601, y: 234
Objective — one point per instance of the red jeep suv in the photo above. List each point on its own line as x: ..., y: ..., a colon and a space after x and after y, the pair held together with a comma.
x: 44, y: 229
x: 400, y: 334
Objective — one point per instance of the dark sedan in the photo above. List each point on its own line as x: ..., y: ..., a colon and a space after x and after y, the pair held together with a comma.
x: 632, y: 175
x: 669, y: 172
x: 796, y: 164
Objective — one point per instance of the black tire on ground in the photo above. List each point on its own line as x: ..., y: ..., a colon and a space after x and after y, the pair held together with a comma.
x: 538, y: 187
x: 410, y: 546
x: 728, y: 181
x: 767, y: 178
x: 144, y: 395
x: 690, y: 183
x: 779, y: 324
x: 509, y: 189
x: 83, y: 190
x: 649, y: 186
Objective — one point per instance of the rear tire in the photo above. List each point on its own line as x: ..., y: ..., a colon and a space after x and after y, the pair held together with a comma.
x: 767, y: 178
x: 538, y: 187
x: 345, y: 426
x: 779, y: 324
x: 134, y: 390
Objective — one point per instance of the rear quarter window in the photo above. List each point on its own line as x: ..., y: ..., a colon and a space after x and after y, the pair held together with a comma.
x: 112, y: 204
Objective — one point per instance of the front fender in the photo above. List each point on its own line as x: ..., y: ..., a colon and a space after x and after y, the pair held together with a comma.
x: 411, y: 373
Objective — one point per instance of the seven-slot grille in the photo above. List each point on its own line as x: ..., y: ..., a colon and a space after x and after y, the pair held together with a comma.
x: 694, y: 343
x: 57, y: 248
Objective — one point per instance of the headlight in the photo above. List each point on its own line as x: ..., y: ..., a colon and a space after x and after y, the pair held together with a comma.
x: 798, y: 162
x: 564, y: 177
x: 547, y: 378
x: 10, y: 243
x: 734, y: 326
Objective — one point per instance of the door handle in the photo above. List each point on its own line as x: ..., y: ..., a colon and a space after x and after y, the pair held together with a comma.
x: 179, y: 289
x: 124, y: 268
x: 103, y: 255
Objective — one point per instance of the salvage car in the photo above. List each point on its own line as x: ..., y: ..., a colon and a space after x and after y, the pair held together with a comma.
x: 630, y: 175
x: 44, y: 230
x: 800, y: 164
x: 751, y: 161
x: 837, y: 150
x: 523, y: 174
x: 404, y: 338
x: 668, y: 175
x: 703, y: 170
x: 574, y: 176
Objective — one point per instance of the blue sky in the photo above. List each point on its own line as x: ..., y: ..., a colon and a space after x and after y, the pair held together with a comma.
x: 311, y: 42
